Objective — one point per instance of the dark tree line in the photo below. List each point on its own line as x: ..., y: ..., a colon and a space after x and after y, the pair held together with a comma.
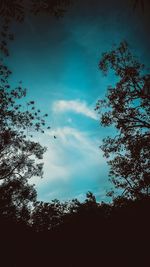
x: 77, y: 234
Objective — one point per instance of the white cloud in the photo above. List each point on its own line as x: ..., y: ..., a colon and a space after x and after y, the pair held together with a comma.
x: 76, y: 150
x: 76, y: 106
x: 73, y: 138
x: 71, y: 151
x: 72, y: 162
x: 54, y: 167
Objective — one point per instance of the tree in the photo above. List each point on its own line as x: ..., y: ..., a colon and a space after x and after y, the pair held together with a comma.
x: 16, y: 200
x: 127, y: 107
x: 19, y: 155
x: 17, y: 10
x: 46, y: 216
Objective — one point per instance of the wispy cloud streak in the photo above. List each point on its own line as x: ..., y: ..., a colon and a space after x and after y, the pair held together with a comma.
x: 76, y: 106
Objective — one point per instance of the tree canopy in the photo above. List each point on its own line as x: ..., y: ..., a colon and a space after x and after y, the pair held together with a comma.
x: 127, y: 107
x: 17, y: 198
x: 17, y: 10
x: 19, y: 155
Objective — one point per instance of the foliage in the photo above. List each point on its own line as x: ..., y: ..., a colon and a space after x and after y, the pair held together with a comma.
x: 106, y: 236
x: 56, y: 8
x: 18, y: 154
x: 16, y: 199
x: 127, y: 107
x: 20, y: 157
x: 46, y: 216
x: 17, y: 10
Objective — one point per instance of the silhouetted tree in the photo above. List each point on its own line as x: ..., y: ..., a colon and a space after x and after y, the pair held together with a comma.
x: 90, y: 198
x: 90, y: 204
x: 82, y: 211
x: 127, y: 107
x: 46, y: 216
x: 73, y: 206
x: 16, y: 200
x: 17, y: 10
x: 19, y: 155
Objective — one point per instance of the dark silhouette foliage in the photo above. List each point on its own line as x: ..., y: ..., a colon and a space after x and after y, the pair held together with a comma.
x: 17, y: 10
x: 83, y: 237
x: 46, y: 216
x: 17, y: 198
x: 127, y: 108
x: 56, y: 8
x: 17, y: 151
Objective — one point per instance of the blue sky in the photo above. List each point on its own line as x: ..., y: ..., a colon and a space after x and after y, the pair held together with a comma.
x: 57, y: 60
